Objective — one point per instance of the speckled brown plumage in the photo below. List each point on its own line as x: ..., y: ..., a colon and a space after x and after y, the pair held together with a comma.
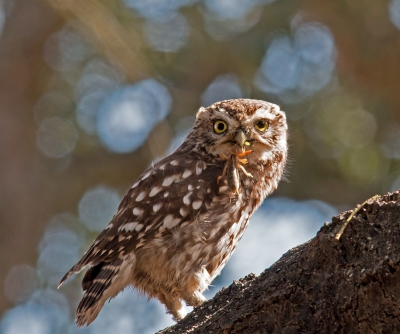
x: 177, y: 227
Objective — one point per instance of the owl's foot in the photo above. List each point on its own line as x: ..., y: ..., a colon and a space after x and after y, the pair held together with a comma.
x: 194, y: 299
x: 180, y: 314
x: 173, y: 305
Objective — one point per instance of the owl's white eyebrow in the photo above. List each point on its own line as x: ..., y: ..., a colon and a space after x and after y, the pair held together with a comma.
x: 267, y: 114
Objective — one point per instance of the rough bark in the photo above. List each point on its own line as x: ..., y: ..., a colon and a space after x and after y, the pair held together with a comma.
x: 319, y: 287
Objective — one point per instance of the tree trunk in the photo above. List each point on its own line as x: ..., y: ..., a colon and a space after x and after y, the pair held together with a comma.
x: 352, y: 286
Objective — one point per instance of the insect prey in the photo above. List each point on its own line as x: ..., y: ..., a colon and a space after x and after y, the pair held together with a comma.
x: 235, y: 163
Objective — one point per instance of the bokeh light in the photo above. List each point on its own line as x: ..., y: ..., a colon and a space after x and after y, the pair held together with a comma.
x: 56, y: 137
x: 236, y: 9
x: 59, y: 249
x: 363, y: 166
x: 20, y: 283
x: 127, y: 116
x: 130, y: 312
x: 168, y: 34
x: 224, y: 87
x: 338, y: 124
x: 66, y: 49
x: 296, y: 67
x: 97, y: 206
x: 394, y: 12
x: 182, y: 130
x: 157, y: 9
x: 396, y: 184
x: 223, y: 20
x: 46, y: 312
x: 2, y: 16
x: 98, y: 79
x: 52, y: 104
x: 25, y: 319
x: 86, y: 111
x: 391, y: 141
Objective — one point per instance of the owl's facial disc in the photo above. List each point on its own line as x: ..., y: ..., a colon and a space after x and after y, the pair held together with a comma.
x: 262, y: 130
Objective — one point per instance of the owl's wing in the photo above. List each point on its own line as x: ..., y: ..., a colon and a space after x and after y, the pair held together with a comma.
x: 167, y: 195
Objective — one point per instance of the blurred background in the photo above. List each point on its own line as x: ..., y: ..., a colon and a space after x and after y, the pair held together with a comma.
x: 92, y: 92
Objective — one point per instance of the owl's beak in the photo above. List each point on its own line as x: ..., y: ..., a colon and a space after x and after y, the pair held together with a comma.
x: 240, y: 138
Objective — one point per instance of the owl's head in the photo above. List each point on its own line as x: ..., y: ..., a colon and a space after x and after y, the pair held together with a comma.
x: 252, y: 124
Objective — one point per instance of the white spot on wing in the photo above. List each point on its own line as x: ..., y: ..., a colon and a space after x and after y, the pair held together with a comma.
x: 186, y: 173
x: 174, y: 222
x: 197, y: 205
x: 174, y: 162
x: 183, y: 212
x: 109, y: 226
x: 200, y: 165
x: 169, y: 222
x: 157, y: 207
x: 190, y: 187
x: 141, y: 196
x: 155, y: 191
x: 137, y: 211
x: 138, y: 227
x: 169, y: 180
x: 128, y: 227
x: 186, y: 199
x: 166, y: 194
x: 168, y: 219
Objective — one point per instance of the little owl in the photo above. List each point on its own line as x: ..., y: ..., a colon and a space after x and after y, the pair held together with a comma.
x: 181, y: 221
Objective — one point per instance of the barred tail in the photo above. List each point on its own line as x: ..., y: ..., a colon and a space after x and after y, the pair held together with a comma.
x: 100, y: 283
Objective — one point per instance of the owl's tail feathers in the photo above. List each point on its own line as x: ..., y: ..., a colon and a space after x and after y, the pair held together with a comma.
x: 100, y: 283
x: 74, y: 270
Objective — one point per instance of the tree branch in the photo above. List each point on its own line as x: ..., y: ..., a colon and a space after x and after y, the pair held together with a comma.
x: 319, y: 287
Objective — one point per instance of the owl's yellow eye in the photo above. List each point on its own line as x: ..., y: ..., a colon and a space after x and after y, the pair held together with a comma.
x: 261, y: 125
x: 220, y: 127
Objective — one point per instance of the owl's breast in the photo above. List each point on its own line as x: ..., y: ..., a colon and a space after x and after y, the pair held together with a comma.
x: 227, y: 222
x: 215, y: 220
